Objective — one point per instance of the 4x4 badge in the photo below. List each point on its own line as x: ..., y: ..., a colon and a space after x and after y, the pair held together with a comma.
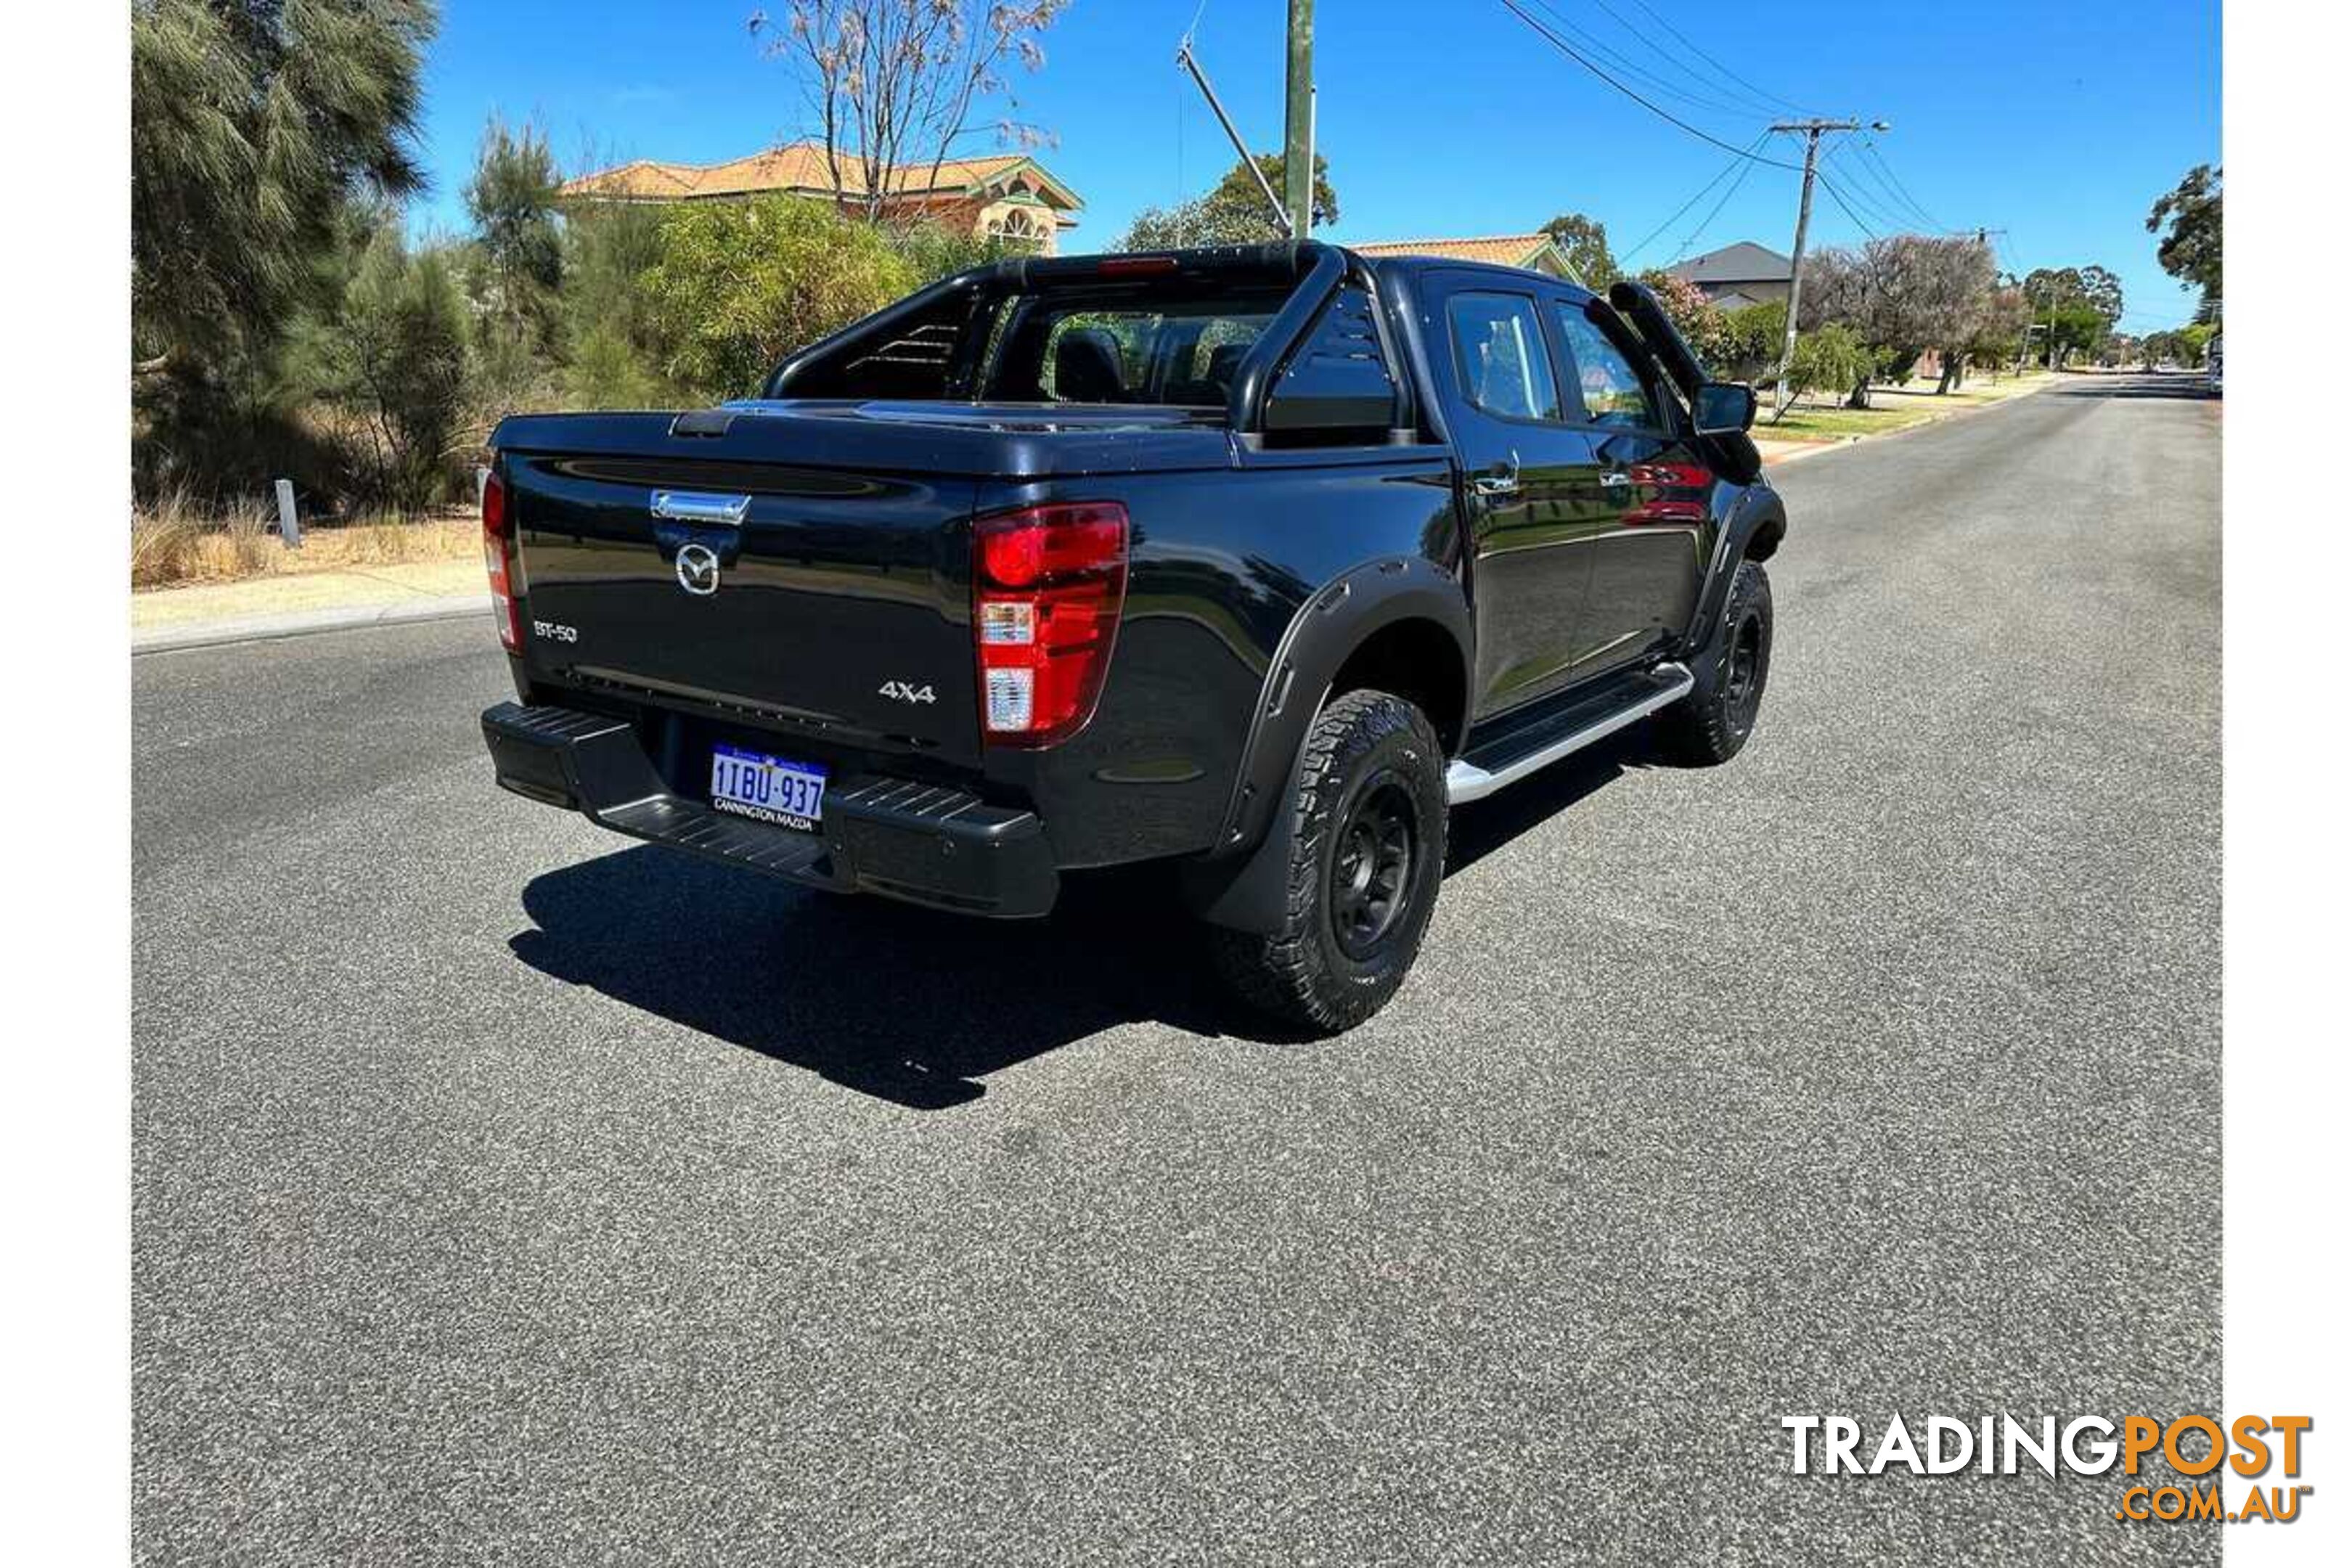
x: 908, y: 691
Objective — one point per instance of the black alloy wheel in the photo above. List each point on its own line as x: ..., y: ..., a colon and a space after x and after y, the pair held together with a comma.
x: 1715, y: 721
x: 1364, y: 855
x: 1372, y: 873
x: 1743, y: 675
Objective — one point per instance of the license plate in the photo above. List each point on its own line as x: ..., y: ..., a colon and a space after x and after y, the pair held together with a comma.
x: 769, y: 789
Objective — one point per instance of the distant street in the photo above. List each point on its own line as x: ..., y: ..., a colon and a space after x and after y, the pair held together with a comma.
x: 507, y: 1192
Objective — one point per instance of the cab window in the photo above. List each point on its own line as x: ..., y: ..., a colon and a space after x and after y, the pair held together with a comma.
x: 1614, y: 393
x: 1499, y: 355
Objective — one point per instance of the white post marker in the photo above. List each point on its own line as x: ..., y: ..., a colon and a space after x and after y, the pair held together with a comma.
x: 289, y: 528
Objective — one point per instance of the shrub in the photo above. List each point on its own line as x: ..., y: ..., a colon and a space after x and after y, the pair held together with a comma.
x: 932, y: 251
x: 613, y: 350
x: 392, y: 359
x: 739, y: 285
x: 1699, y: 319
x: 1829, y: 358
x: 174, y: 539
x: 1752, y: 337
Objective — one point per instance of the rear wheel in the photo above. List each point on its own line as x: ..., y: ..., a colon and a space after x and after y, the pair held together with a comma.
x: 1714, y: 722
x: 1368, y: 852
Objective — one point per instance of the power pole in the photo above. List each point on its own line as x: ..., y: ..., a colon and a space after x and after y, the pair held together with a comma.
x: 1812, y: 130
x: 1298, y: 121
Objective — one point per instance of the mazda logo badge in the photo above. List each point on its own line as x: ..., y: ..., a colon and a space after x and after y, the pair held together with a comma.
x: 697, y: 570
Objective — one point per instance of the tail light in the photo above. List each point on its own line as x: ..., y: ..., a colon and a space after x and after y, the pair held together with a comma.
x: 498, y: 554
x: 1047, y: 588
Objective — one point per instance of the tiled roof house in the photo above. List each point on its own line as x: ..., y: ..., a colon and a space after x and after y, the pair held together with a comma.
x: 1011, y: 196
x: 1536, y: 252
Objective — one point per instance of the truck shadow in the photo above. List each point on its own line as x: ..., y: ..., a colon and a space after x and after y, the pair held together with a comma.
x: 897, y: 1002
x: 913, y: 1006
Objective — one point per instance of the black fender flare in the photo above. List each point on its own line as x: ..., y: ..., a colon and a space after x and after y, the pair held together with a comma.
x: 1241, y: 882
x: 1757, y: 522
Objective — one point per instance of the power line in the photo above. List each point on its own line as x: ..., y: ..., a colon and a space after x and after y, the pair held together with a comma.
x: 1836, y: 196
x: 1870, y: 146
x: 1697, y: 196
x: 1693, y: 47
x: 1730, y: 191
x: 1667, y: 115
x: 1876, y: 206
x: 1643, y: 73
x: 1871, y: 193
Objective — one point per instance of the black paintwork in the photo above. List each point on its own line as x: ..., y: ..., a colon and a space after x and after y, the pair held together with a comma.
x: 1269, y: 552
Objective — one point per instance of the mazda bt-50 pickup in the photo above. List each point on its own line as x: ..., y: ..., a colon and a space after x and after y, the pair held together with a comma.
x: 1250, y: 563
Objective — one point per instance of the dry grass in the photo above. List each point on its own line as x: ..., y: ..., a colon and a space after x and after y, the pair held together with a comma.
x: 176, y: 541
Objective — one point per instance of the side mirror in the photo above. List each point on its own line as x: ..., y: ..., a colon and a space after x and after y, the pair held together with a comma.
x: 1723, y: 407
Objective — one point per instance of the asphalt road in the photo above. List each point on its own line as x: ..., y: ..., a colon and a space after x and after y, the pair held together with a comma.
x: 507, y: 1192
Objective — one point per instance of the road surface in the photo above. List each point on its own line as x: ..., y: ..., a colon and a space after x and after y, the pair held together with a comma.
x: 507, y: 1192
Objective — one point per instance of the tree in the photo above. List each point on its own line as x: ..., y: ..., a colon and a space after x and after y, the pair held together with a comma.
x: 739, y: 285
x: 613, y: 350
x: 512, y: 200
x: 2001, y: 328
x: 1752, y: 339
x: 1234, y: 211
x: 896, y: 82
x: 2101, y: 290
x: 2190, y: 219
x: 1829, y: 359
x: 251, y: 122
x: 2077, y: 306
x: 1196, y: 223
x: 1238, y: 190
x: 1903, y: 296
x: 391, y: 356
x: 1586, y: 244
x: 1842, y: 286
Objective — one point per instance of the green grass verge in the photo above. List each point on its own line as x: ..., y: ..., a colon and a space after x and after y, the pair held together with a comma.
x: 1805, y: 423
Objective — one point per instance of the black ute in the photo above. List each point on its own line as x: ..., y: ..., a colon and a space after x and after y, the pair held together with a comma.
x: 1253, y: 561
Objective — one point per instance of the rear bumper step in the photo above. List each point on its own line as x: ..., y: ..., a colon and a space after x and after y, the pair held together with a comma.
x: 923, y: 843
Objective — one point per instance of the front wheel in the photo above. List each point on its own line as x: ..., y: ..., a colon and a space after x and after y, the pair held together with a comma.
x: 1368, y: 852
x: 1714, y: 722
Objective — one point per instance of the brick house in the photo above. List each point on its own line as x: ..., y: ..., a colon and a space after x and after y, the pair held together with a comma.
x: 1011, y: 196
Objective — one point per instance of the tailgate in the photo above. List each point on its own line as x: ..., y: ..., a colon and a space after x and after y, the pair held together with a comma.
x: 829, y: 598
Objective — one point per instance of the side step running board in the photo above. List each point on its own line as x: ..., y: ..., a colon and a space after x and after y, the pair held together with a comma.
x: 1486, y: 769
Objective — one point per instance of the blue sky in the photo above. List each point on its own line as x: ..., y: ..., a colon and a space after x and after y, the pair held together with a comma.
x: 2059, y: 124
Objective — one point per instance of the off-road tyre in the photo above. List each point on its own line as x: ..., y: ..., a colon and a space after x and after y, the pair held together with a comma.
x: 1372, y: 774
x: 1711, y: 724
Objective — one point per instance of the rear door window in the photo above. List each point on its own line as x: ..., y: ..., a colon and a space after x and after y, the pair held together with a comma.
x: 1499, y: 355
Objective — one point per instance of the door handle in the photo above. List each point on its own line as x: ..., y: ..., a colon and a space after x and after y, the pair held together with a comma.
x: 1504, y: 481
